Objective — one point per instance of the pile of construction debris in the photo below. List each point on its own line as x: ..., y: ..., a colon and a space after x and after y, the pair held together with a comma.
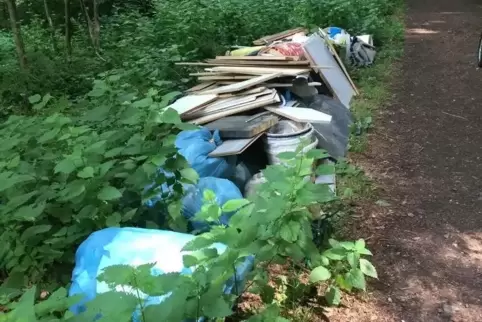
x: 250, y: 90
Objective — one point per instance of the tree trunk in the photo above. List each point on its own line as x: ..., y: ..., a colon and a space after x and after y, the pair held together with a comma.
x: 96, y: 24
x: 51, y: 25
x: 17, y: 34
x: 68, y: 29
x: 93, y: 25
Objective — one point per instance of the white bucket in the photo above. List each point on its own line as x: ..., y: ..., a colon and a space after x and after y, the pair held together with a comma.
x: 286, y: 137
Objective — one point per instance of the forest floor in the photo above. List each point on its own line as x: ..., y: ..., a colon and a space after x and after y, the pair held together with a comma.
x: 425, y: 156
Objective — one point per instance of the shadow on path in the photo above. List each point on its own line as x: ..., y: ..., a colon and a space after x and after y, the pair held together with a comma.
x: 427, y: 158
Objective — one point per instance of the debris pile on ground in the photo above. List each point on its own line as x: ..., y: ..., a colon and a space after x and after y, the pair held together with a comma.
x: 282, y: 88
x: 253, y: 103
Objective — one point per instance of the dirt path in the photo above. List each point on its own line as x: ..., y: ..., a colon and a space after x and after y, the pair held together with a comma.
x: 426, y: 155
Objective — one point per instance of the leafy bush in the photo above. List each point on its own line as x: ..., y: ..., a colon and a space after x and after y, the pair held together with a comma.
x: 62, y: 177
x: 274, y: 227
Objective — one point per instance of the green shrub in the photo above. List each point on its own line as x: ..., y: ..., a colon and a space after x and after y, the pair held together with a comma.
x: 63, y: 177
x: 274, y: 226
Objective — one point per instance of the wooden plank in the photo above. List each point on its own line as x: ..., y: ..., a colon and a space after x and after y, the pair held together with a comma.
x: 226, y: 103
x: 262, y: 58
x: 221, y: 105
x: 301, y: 114
x: 270, y: 38
x: 243, y: 93
x: 233, y: 147
x: 243, y: 85
x: 220, y: 77
x: 318, y: 53
x: 243, y: 108
x: 275, y: 85
x: 210, y: 87
x: 261, y: 70
x: 200, y: 87
x: 209, y: 74
x: 193, y: 64
x: 243, y: 126
x: 285, y: 63
x: 191, y: 102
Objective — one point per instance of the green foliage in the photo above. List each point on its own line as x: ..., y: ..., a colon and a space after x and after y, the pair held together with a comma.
x: 274, y: 227
x: 344, y: 268
x: 76, y: 158
x: 66, y: 175
x: 147, y: 43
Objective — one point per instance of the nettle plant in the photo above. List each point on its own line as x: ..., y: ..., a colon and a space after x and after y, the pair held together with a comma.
x: 65, y: 175
x: 274, y: 226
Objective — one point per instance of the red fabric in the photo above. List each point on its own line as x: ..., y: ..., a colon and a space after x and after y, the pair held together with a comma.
x: 288, y: 49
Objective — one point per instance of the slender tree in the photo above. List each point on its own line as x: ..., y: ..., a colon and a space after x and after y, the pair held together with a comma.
x: 93, y: 24
x: 51, y: 25
x: 17, y: 33
x: 68, y: 29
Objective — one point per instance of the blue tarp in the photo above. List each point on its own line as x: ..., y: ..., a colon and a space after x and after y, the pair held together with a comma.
x: 135, y: 246
x: 192, y: 202
x: 195, y: 146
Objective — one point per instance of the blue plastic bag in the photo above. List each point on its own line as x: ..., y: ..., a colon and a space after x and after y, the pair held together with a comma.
x: 135, y: 246
x: 196, y: 145
x: 192, y: 202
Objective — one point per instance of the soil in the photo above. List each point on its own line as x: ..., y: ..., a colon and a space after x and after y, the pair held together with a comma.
x: 426, y: 157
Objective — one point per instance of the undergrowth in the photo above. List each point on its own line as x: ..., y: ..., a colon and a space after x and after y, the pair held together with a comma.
x: 86, y: 133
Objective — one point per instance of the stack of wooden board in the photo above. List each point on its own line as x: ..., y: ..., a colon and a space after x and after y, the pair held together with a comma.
x: 230, y: 85
x: 224, y: 69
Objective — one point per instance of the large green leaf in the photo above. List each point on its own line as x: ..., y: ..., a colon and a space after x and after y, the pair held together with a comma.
x: 367, y: 268
x: 35, y: 230
x: 320, y: 273
x: 356, y: 278
x: 190, y: 174
x: 87, y: 172
x: 217, y: 308
x: 109, y: 193
x: 234, y: 204
x: 290, y: 231
x: 24, y: 309
x: 66, y: 166
x: 29, y: 213
x: 333, y: 296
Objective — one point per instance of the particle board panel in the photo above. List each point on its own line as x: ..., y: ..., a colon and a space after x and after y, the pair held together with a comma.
x: 318, y: 52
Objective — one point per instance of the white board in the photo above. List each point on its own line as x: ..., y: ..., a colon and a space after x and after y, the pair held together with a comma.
x: 317, y: 51
x: 191, y: 102
x: 301, y: 114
